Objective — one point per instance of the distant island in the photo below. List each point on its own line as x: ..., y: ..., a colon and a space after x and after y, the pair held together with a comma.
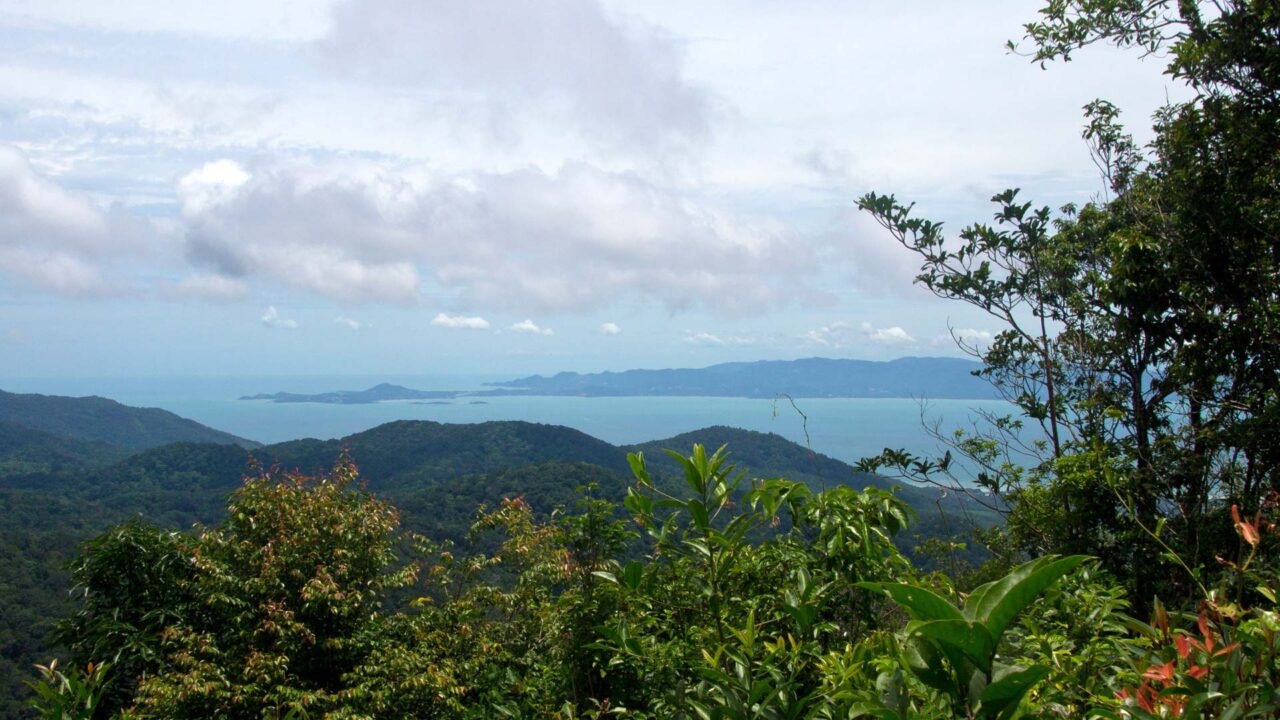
x: 930, y: 377
x: 377, y: 393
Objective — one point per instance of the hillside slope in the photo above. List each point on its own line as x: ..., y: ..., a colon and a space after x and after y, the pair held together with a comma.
x: 24, y: 450
x: 405, y: 453
x: 103, y: 420
x: 438, y: 475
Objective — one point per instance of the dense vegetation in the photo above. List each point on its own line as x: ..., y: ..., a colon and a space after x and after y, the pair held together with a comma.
x: 436, y: 474
x: 1136, y: 576
x: 97, y: 419
x: 25, y: 451
x: 301, y: 604
x: 1141, y: 331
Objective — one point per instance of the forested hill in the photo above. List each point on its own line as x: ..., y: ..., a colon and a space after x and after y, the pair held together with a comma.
x: 400, y: 453
x: 811, y: 377
x: 103, y: 420
x: 25, y: 450
x: 62, y: 491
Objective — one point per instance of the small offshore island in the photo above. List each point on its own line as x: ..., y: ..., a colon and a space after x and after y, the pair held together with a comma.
x: 931, y: 377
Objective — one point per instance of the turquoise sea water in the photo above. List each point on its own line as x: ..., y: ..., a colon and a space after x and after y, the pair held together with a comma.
x: 844, y: 428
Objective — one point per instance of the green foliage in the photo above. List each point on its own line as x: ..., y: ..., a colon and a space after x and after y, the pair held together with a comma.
x: 1139, y: 346
x: 132, y: 583
x: 279, y: 598
x: 953, y: 649
x: 1225, y: 659
x: 24, y: 451
x: 96, y: 421
x: 1140, y: 330
x: 1078, y: 628
x: 69, y: 696
x: 739, y: 599
x: 740, y: 628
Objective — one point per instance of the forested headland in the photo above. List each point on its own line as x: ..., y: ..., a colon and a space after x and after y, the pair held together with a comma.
x: 1134, y: 574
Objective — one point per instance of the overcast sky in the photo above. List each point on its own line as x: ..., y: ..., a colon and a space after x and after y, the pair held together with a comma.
x: 494, y: 186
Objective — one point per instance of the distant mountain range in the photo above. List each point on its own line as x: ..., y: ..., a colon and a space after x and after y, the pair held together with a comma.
x: 809, y: 378
x: 937, y: 378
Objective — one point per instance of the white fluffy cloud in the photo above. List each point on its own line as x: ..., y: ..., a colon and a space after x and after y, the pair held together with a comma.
x: 706, y: 338
x: 460, y: 322
x: 347, y: 322
x: 211, y: 184
x: 319, y: 234
x: 610, y: 329
x: 529, y: 327
x: 271, y: 318
x: 56, y: 240
x: 843, y: 334
x: 573, y: 240
x: 887, y: 336
x: 967, y: 337
x: 836, y: 334
x: 497, y: 62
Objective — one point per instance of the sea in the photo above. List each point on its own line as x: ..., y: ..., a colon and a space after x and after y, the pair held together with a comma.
x: 843, y: 428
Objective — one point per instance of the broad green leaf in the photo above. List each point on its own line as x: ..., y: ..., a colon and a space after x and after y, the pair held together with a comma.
x: 698, y: 512
x: 924, y: 660
x: 633, y: 574
x: 920, y: 604
x: 997, y: 603
x: 636, y: 461
x: 1001, y: 697
x: 692, y: 477
x: 637, y: 503
x: 972, y: 639
x: 866, y: 709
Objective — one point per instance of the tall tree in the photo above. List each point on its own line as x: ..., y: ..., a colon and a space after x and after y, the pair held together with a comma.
x: 1142, y: 331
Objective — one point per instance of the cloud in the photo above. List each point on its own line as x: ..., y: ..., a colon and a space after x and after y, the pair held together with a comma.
x: 966, y: 337
x: 271, y: 318
x: 525, y: 240
x: 210, y: 185
x: 531, y: 328
x: 879, y: 263
x: 460, y: 321
x: 609, y: 329
x: 207, y: 287
x: 887, y: 336
x: 57, y: 240
x: 240, y: 223
x: 843, y: 334
x: 347, y: 322
x: 830, y: 163
x: 614, y: 77
x: 836, y: 334
x: 706, y: 338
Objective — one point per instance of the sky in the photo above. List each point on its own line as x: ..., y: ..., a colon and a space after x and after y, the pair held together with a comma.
x: 315, y: 187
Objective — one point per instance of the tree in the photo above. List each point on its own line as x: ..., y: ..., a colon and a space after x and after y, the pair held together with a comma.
x: 281, y: 596
x: 1142, y: 331
x: 133, y: 582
